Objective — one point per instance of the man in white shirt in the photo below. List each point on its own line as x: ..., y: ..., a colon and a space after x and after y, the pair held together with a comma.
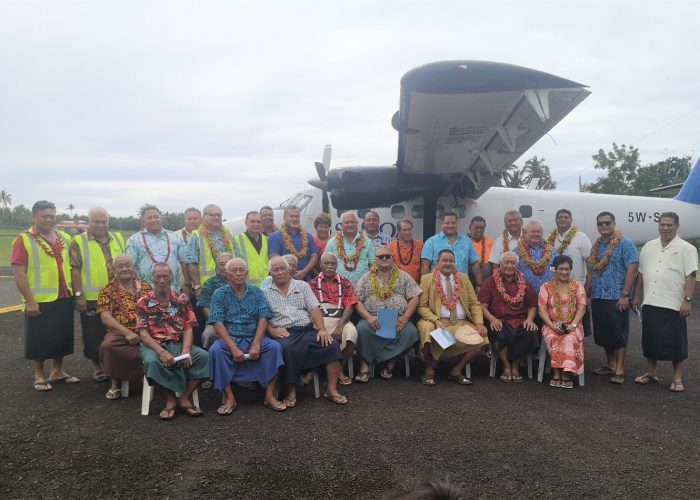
x: 513, y: 222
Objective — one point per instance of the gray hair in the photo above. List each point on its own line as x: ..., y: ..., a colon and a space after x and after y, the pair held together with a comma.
x: 509, y: 253
x: 98, y: 210
x: 350, y: 212
x: 329, y: 254
x: 235, y: 260
x: 284, y: 259
x: 224, y: 255
x: 511, y: 212
x: 532, y: 223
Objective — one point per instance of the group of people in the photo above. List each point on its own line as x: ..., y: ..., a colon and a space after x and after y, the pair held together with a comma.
x: 202, y: 306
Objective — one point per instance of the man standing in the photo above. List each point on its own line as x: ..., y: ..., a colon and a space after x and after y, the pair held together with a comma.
x: 92, y: 255
x: 407, y: 251
x: 205, y: 245
x: 482, y: 244
x: 612, y: 270
x: 193, y: 218
x: 41, y: 268
x: 252, y: 247
x: 204, y: 301
x: 292, y: 238
x: 536, y: 255
x: 153, y: 244
x: 667, y: 268
x: 268, y: 221
x: 461, y: 246
x: 513, y: 232
x: 353, y: 249
x: 377, y: 237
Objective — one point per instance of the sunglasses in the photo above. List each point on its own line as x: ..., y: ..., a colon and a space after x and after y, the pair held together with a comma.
x: 605, y: 223
x: 384, y: 257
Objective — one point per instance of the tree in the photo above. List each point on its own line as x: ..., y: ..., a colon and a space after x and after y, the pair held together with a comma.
x: 70, y: 208
x: 5, y: 200
x: 621, y: 164
x: 512, y: 177
x: 534, y: 168
x: 672, y: 170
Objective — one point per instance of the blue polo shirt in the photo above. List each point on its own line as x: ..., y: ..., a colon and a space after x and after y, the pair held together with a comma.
x: 609, y: 285
x: 465, y: 253
x: 536, y: 254
x: 275, y: 245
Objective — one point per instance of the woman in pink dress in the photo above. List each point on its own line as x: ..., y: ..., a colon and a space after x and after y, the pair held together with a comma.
x: 562, y: 304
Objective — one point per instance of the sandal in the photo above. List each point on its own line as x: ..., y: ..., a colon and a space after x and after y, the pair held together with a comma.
x: 99, y: 376
x: 191, y: 411
x: 460, y: 379
x: 113, y: 394
x: 428, y: 379
x: 338, y: 399
x: 207, y: 384
x: 42, y: 386
x: 386, y: 374
x: 290, y: 403
x: 225, y: 409
x: 517, y: 378
x: 66, y: 379
x: 617, y: 378
x: 567, y: 384
x: 555, y: 382
x: 506, y: 377
x: 646, y: 379
x: 362, y: 377
x: 276, y: 406
x: 344, y: 380
x: 676, y: 387
x: 167, y: 413
x: 603, y: 370
x: 308, y: 378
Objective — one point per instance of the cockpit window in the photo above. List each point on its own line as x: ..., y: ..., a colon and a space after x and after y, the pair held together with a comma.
x: 301, y: 200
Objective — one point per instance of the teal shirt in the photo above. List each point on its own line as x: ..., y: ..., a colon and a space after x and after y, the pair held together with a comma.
x: 366, y: 257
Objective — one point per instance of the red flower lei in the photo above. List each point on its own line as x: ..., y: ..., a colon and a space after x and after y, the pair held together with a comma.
x: 600, y: 265
x: 150, y: 253
x: 226, y: 238
x: 538, y: 267
x: 410, y: 255
x: 289, y: 244
x: 350, y: 261
x: 515, y: 302
x: 455, y: 290
x: 48, y: 249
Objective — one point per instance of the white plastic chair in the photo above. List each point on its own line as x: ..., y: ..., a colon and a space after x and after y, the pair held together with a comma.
x: 406, y: 361
x: 495, y: 359
x: 545, y: 364
x: 148, y: 393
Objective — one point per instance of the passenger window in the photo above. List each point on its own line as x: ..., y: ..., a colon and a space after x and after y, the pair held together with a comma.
x: 440, y: 211
x: 398, y: 212
x: 525, y: 211
x: 417, y: 211
x: 461, y: 211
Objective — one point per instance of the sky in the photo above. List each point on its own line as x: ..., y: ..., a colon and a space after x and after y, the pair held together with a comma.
x: 184, y: 103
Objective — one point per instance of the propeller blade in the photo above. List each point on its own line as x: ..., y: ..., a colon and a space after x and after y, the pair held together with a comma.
x: 322, y: 185
x: 327, y: 150
x: 320, y: 170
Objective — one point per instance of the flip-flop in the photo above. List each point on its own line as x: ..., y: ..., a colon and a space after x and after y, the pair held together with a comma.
x: 167, y: 413
x: 460, y: 379
x: 362, y: 377
x: 603, y: 370
x: 506, y: 377
x: 191, y: 411
x: 344, y: 380
x: 428, y: 379
x: 113, y: 394
x: 42, y: 386
x: 646, y: 379
x: 676, y: 387
x: 99, y: 376
x: 225, y: 409
x: 386, y: 374
x: 207, y: 384
x: 567, y: 384
x: 518, y: 379
x: 290, y: 403
x: 66, y: 379
x: 276, y: 406
x: 617, y: 378
x: 338, y: 399
x: 555, y: 382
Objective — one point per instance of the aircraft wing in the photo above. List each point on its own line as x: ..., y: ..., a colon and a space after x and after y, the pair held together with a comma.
x: 474, y: 118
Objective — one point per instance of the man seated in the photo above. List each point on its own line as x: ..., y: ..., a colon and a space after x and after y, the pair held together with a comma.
x: 204, y: 300
x: 509, y: 303
x: 448, y: 301
x: 337, y: 298
x: 297, y: 324
x: 291, y: 260
x: 242, y: 353
x: 165, y: 321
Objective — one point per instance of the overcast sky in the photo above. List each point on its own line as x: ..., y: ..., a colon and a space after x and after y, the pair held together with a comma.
x: 184, y: 103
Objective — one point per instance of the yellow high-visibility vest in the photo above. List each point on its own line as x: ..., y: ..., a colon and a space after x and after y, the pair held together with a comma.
x: 42, y: 269
x: 207, y: 264
x: 94, y: 273
x: 257, y: 262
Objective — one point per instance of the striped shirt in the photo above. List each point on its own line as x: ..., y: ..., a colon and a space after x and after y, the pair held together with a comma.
x: 294, y: 309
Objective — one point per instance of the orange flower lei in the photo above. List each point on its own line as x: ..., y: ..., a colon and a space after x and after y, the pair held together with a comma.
x: 226, y: 238
x: 349, y: 261
x: 441, y: 291
x: 538, y: 267
x: 48, y: 249
x: 289, y: 244
x: 600, y: 265
x: 559, y: 303
x: 515, y: 302
x: 565, y: 242
x: 383, y: 293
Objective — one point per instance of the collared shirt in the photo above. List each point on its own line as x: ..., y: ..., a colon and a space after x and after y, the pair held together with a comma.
x: 165, y: 323
x: 193, y: 247
x: 579, y: 249
x: 497, y: 248
x: 20, y: 257
x: 208, y: 289
x: 465, y: 255
x: 76, y: 256
x: 257, y: 244
x: 665, y: 269
x: 459, y: 308
x: 240, y: 316
x: 536, y: 253
x: 275, y: 227
x: 483, y: 249
x: 406, y: 288
x: 363, y: 264
x: 184, y: 235
x: 329, y: 291
x: 410, y: 255
x: 275, y: 246
x: 489, y: 295
x: 293, y: 309
x: 379, y: 239
x: 158, y: 246
x: 118, y: 302
x: 610, y: 284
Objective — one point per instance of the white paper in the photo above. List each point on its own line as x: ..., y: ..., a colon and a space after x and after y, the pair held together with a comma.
x: 443, y: 338
x: 182, y: 357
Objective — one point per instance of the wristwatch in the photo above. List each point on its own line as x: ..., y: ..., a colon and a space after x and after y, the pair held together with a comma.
x: 688, y: 298
x: 80, y: 293
x: 574, y: 325
x: 197, y: 287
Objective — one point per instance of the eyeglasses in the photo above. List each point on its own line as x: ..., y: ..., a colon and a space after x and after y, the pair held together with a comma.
x: 604, y: 223
x: 384, y: 257
x: 214, y: 216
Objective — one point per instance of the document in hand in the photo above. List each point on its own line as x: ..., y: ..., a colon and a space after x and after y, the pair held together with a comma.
x: 387, y: 323
x: 443, y: 338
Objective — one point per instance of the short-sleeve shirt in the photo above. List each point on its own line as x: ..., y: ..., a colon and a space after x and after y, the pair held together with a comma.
x: 497, y: 248
x: 483, y: 249
x: 208, y: 289
x: 146, y: 249
x: 276, y: 246
x: 409, y: 255
x: 118, y: 302
x: 76, y: 256
x: 536, y: 254
x: 488, y: 294
x: 379, y: 239
x: 165, y: 323
x: 546, y: 300
x: 294, y: 309
x: 192, y: 247
x: 609, y: 285
x: 329, y: 291
x: 20, y: 257
x: 406, y: 288
x: 363, y: 264
x: 579, y: 249
x: 665, y: 269
x: 239, y: 316
x: 465, y: 254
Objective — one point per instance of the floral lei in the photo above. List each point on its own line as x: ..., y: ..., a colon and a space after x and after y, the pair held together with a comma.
x: 600, y: 265
x: 226, y: 238
x: 565, y: 242
x: 538, y: 267
x: 383, y: 293
x: 319, y: 281
x: 515, y: 302
x: 289, y: 244
x: 350, y: 261
x: 506, y: 240
x: 150, y: 253
x: 455, y: 290
x: 48, y: 249
x: 570, y: 303
x: 483, y: 249
x: 410, y: 255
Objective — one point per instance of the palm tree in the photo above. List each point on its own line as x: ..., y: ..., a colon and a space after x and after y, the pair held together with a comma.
x: 70, y: 208
x: 5, y: 200
x: 536, y: 168
x: 513, y: 177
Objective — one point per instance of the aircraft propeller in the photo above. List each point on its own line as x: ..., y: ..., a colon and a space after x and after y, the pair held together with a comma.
x: 322, y: 183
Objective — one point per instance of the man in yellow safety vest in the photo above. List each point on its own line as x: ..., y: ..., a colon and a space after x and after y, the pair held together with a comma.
x: 251, y: 246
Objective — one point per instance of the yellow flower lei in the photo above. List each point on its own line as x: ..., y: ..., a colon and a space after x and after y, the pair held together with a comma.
x: 559, y: 303
x: 383, y: 293
x: 600, y: 265
x: 538, y: 267
x: 506, y: 240
x: 565, y: 242
x: 226, y: 238
x: 289, y: 244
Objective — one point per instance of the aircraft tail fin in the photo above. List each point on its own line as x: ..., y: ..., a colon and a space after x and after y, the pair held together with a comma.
x: 690, y: 192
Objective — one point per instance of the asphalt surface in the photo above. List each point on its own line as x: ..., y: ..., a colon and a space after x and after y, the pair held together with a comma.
x: 495, y: 440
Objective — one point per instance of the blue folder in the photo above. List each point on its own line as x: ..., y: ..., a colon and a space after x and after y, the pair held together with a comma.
x: 387, y: 323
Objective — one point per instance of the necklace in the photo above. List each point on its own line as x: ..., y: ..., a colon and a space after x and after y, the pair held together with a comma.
x: 451, y: 304
x: 226, y: 238
x: 483, y: 249
x: 538, y: 267
x: 150, y: 253
x: 349, y: 261
x: 565, y: 242
x: 46, y: 247
x: 383, y: 292
x: 600, y: 265
x: 506, y: 240
x: 515, y: 302
x: 410, y: 255
x: 560, y: 304
x: 289, y: 244
x: 319, y: 282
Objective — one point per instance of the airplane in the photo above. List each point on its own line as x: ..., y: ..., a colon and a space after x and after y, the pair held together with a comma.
x: 460, y: 124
